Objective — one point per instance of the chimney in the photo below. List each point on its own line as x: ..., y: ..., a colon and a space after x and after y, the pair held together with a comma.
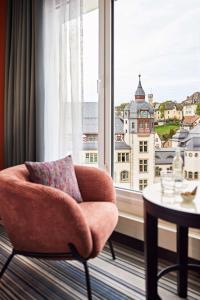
x: 150, y: 99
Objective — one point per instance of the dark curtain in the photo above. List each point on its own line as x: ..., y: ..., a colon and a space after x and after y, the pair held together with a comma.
x: 24, y: 107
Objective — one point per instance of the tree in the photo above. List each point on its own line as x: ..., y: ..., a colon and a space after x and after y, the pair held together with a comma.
x: 198, y: 109
x: 162, y: 109
x: 171, y: 132
x: 120, y: 109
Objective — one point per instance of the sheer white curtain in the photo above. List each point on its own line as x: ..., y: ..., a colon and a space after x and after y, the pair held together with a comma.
x: 63, y: 78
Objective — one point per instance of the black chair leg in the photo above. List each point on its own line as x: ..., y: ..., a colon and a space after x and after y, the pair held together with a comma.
x: 111, y: 249
x: 87, y: 275
x: 7, y: 263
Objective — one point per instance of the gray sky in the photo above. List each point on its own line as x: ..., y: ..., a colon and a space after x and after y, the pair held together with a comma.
x: 158, y: 39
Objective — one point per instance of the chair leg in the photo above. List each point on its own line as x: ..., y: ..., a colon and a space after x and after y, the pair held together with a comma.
x: 111, y: 249
x: 87, y: 275
x: 7, y: 263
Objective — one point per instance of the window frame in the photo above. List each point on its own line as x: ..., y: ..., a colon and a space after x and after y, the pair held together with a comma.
x: 142, y: 146
x: 143, y: 182
x: 130, y: 200
x: 124, y: 178
x: 143, y: 164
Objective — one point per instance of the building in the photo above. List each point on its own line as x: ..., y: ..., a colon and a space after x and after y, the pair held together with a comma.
x: 190, y: 104
x: 190, y: 122
x: 158, y: 142
x: 191, y: 145
x: 189, y: 110
x: 171, y: 111
x: 90, y: 144
x: 139, y: 135
x: 163, y: 160
x: 180, y: 135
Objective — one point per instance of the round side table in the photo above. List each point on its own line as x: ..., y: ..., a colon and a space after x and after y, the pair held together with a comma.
x: 184, y: 215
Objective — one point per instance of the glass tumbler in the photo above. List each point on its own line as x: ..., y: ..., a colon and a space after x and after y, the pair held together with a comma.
x: 167, y: 182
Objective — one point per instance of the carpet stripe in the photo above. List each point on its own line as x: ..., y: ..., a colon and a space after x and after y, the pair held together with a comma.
x: 123, y: 279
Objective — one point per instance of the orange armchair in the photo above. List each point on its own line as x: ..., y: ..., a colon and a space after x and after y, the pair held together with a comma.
x: 45, y: 222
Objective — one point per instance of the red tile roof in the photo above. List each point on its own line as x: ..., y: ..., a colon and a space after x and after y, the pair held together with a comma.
x: 190, y: 119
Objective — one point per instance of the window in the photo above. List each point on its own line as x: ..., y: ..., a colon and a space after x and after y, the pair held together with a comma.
x: 91, y: 158
x: 122, y: 157
x: 142, y: 184
x: 131, y: 58
x: 90, y: 74
x: 190, y: 175
x: 196, y: 175
x: 157, y: 171
x: 196, y: 155
x: 190, y: 154
x: 185, y: 174
x: 124, y: 176
x: 143, y: 165
x: 118, y: 137
x: 143, y: 146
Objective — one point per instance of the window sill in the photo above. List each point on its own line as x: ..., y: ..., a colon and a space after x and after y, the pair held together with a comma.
x: 131, y: 223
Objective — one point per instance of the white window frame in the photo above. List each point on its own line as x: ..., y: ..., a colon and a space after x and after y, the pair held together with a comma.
x: 143, y: 145
x: 124, y: 178
x: 142, y: 183
x: 91, y: 157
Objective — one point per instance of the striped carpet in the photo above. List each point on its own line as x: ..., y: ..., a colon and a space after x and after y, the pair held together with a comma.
x: 30, y: 279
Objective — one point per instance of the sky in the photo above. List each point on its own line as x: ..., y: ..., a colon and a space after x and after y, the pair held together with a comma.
x: 158, y: 39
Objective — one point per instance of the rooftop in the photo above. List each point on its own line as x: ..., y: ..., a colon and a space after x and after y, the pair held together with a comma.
x: 189, y: 120
x: 90, y: 119
x: 165, y: 156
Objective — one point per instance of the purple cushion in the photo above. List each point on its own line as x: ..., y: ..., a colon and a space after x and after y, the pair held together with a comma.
x: 59, y: 174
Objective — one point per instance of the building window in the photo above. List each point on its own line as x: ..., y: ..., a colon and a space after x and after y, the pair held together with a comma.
x: 119, y: 137
x: 133, y: 125
x: 196, y: 155
x: 196, y: 175
x: 190, y: 175
x: 91, y: 158
x: 143, y: 146
x: 122, y: 157
x: 142, y: 184
x: 143, y: 165
x: 190, y: 154
x: 185, y: 174
x: 157, y: 171
x: 91, y: 138
x: 124, y: 176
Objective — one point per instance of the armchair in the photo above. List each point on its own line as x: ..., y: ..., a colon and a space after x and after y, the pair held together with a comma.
x: 45, y: 222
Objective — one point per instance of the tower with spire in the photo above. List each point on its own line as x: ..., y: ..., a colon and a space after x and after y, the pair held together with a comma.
x: 139, y: 135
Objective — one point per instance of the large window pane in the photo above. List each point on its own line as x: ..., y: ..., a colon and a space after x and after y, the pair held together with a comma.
x: 90, y: 76
x: 156, y: 89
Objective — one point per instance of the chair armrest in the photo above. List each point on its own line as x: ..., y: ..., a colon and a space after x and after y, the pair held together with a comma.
x: 39, y: 218
x: 95, y: 184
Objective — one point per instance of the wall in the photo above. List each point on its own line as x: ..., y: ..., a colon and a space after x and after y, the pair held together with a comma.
x: 3, y: 4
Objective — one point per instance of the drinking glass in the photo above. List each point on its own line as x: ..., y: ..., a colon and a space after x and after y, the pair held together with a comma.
x: 167, y: 182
